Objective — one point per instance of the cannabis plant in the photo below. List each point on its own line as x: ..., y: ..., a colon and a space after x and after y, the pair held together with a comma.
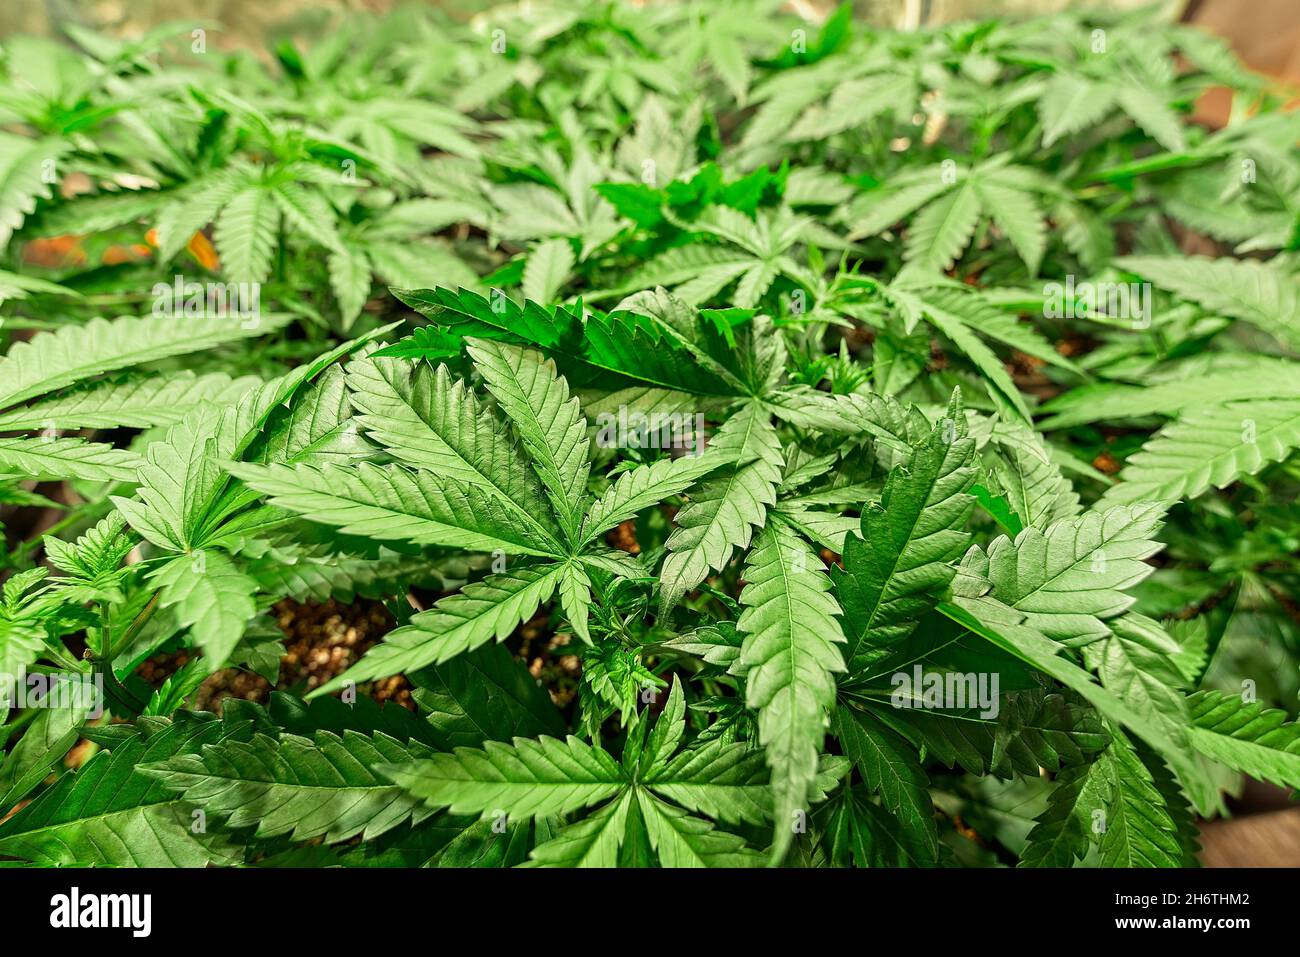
x: 766, y: 442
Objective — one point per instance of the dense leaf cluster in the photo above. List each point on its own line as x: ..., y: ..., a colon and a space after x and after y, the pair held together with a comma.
x: 990, y: 556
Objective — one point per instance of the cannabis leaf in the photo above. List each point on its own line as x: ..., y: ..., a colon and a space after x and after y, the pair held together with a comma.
x: 547, y: 776
x: 790, y: 660
x: 901, y: 563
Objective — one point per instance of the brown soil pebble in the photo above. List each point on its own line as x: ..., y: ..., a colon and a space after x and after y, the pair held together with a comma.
x: 1106, y: 463
x: 322, y: 641
x: 544, y: 653
x: 1027, y: 372
x: 623, y: 536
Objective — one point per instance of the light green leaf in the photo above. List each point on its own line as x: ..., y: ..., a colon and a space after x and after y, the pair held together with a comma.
x: 324, y: 787
x: 536, y: 777
x: 133, y: 403
x: 938, y: 235
x: 110, y: 814
x: 350, y: 281
x: 392, y: 503
x: 1246, y: 736
x: 900, y: 565
x: 594, y: 841
x: 723, y: 512
x: 1259, y: 293
x: 1068, y: 578
x: 482, y: 611
x: 246, y: 234
x: 647, y: 485
x: 51, y: 459
x: 1071, y: 103
x: 550, y: 424
x: 435, y: 423
x: 1209, y: 447
x: 547, y: 270
x: 791, y: 658
x: 24, y: 165
x: 75, y: 353
x: 211, y: 597
x: 681, y: 840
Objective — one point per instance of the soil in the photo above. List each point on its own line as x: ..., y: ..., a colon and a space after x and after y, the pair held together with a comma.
x: 325, y: 639
x: 322, y: 641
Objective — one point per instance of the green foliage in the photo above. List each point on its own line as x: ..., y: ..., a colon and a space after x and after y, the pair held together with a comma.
x: 790, y: 659
x: 768, y: 452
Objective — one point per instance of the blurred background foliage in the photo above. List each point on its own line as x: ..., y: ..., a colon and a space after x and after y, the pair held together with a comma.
x: 1264, y: 33
x: 248, y: 23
